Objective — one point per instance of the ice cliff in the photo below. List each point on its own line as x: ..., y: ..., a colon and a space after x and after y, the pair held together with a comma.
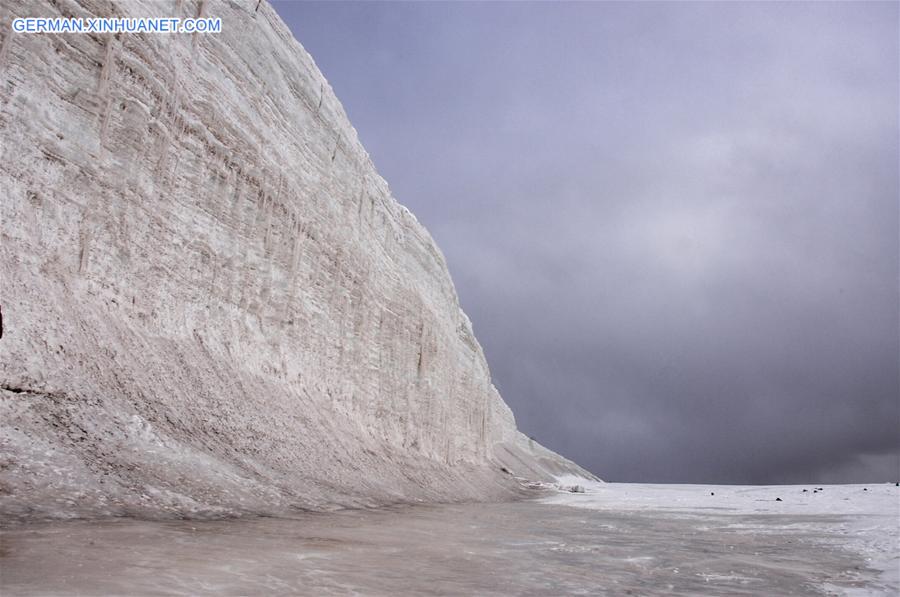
x: 211, y: 303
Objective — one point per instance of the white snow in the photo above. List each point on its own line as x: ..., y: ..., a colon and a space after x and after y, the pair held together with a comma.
x: 864, y: 519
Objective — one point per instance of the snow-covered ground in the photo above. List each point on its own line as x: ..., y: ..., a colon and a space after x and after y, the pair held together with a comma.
x: 864, y: 519
x: 620, y: 539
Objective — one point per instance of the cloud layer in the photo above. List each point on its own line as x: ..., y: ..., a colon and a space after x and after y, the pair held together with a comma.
x: 674, y: 226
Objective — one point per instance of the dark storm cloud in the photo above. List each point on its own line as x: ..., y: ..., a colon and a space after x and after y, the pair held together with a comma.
x: 674, y: 226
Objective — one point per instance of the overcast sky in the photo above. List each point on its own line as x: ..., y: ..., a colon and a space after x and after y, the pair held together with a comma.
x: 674, y: 226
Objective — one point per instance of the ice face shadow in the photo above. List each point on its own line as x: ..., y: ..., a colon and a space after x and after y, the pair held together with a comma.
x: 522, y: 548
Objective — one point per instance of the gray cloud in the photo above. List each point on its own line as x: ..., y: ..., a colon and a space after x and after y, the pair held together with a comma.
x: 674, y: 226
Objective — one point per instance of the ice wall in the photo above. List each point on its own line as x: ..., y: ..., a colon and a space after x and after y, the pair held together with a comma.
x: 211, y: 302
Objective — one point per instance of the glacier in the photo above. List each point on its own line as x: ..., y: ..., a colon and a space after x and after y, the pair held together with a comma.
x: 213, y: 306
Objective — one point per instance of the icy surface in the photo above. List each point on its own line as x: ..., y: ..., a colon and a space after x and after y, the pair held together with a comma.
x: 626, y: 539
x: 863, y: 519
x: 211, y: 303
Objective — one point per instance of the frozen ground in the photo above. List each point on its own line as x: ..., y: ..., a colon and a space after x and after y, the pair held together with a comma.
x: 621, y: 539
x: 861, y: 519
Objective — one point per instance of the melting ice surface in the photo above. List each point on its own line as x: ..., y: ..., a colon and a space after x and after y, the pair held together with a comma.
x: 613, y: 539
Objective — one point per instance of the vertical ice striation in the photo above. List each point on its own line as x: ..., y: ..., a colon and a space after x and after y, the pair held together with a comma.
x: 211, y: 302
